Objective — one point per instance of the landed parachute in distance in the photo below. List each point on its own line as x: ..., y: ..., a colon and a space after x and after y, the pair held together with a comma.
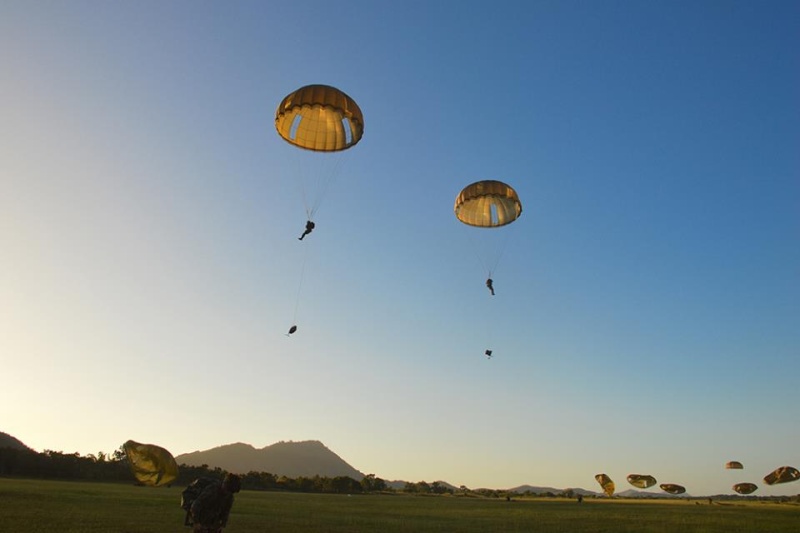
x: 642, y: 481
x: 320, y: 118
x: 672, y: 488
x: 488, y: 204
x: 784, y: 474
x: 606, y: 483
x: 745, y: 488
x: 733, y: 465
x: 152, y: 465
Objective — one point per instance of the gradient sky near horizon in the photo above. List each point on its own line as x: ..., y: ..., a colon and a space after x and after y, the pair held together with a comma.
x: 646, y: 317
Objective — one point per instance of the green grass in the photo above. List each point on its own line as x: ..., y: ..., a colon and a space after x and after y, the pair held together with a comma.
x: 39, y: 506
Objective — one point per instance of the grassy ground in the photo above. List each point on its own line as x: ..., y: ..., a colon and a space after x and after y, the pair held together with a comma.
x: 38, y: 506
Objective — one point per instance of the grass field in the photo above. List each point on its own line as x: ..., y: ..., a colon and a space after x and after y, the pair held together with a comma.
x: 39, y: 506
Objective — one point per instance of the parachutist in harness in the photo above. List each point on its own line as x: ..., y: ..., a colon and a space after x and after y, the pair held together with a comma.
x: 291, y: 330
x: 309, y: 228
x: 488, y: 354
x: 490, y: 285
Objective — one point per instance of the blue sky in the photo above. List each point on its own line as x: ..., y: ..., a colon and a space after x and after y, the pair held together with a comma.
x: 646, y: 317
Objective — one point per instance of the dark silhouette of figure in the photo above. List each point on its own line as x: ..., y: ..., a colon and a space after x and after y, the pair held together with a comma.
x: 490, y: 284
x: 309, y: 228
x: 210, y: 510
x: 291, y: 330
x: 488, y: 354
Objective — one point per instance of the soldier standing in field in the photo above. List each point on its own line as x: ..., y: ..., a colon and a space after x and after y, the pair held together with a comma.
x: 210, y: 510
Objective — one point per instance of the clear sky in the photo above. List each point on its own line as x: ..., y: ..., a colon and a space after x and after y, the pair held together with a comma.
x: 646, y: 317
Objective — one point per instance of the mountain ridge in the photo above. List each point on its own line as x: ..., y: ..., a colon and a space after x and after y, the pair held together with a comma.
x: 7, y: 441
x: 291, y: 459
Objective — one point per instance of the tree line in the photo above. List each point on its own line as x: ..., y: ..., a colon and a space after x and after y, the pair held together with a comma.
x: 26, y: 463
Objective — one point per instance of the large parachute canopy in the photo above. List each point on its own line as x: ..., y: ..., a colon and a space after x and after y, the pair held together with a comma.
x: 784, y: 474
x: 606, y: 483
x: 152, y: 465
x: 745, y: 488
x: 672, y: 488
x: 642, y: 481
x: 733, y: 465
x: 488, y: 204
x: 320, y: 118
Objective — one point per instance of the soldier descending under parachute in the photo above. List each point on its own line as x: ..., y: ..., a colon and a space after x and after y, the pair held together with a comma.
x: 324, y: 120
x: 488, y: 204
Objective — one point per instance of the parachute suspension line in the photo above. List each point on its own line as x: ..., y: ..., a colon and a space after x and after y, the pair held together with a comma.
x: 499, y: 253
x: 302, y: 182
x: 326, y: 178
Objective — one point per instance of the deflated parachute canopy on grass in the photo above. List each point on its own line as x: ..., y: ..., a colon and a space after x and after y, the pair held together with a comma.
x: 642, y: 481
x: 606, y: 483
x: 672, y: 488
x: 784, y: 474
x: 151, y: 465
x: 745, y: 488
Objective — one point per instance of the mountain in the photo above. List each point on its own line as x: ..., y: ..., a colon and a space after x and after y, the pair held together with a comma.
x: 291, y: 459
x: 7, y: 441
x: 535, y: 490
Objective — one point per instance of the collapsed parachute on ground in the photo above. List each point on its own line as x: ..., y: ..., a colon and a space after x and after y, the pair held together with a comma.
x: 152, y: 465
x: 642, y: 481
x: 606, y: 483
x: 319, y: 118
x: 733, y: 465
x: 487, y: 204
x: 672, y: 488
x: 745, y: 488
x: 784, y: 474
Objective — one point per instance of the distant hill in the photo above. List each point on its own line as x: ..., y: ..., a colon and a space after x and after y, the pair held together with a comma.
x: 291, y: 459
x: 7, y: 441
x: 535, y: 490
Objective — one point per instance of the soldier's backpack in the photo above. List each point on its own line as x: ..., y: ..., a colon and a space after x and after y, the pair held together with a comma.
x: 193, y: 490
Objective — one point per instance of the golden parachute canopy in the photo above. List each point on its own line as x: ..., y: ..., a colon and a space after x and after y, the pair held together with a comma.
x: 320, y: 118
x: 784, y: 474
x: 733, y: 465
x: 642, y: 481
x: 672, y: 488
x: 745, y: 488
x: 488, y: 204
x: 606, y: 483
x: 152, y: 465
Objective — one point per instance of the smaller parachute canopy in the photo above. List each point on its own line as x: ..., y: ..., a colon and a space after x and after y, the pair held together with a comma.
x: 642, y: 481
x: 784, y: 474
x: 488, y: 204
x: 606, y: 483
x: 745, y: 488
x: 319, y: 118
x: 672, y: 488
x: 151, y: 465
x: 733, y: 465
